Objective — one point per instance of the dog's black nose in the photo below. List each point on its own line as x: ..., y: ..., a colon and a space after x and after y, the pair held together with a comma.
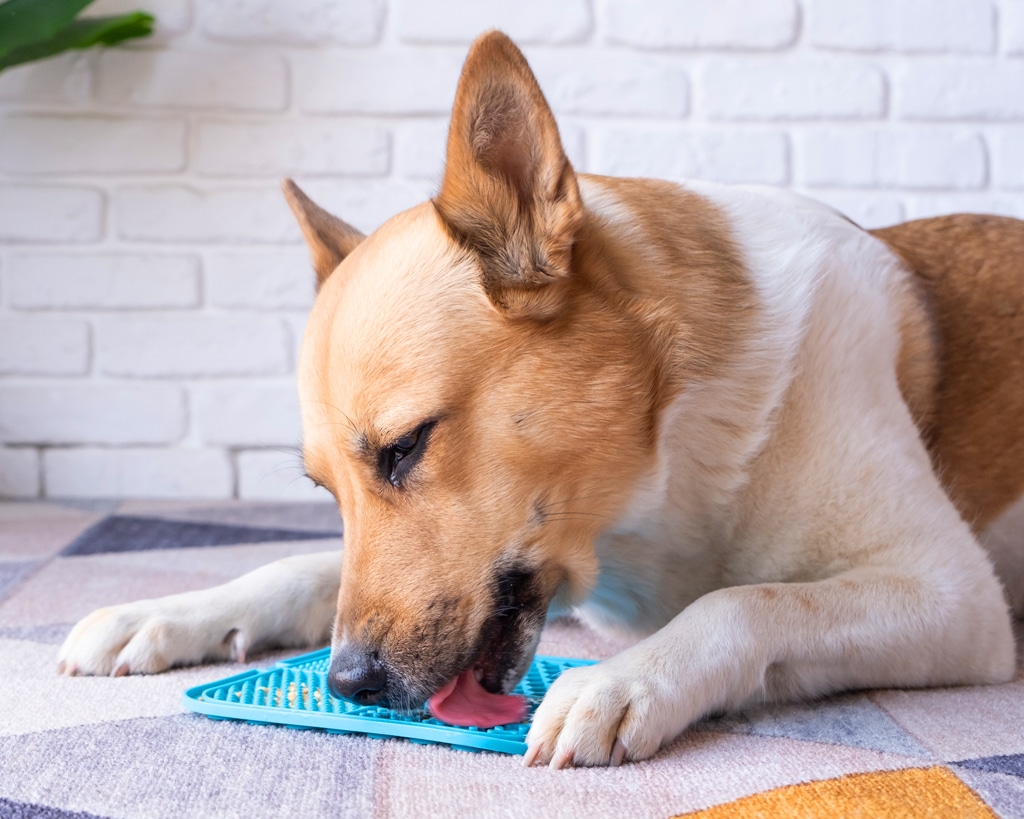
x: 358, y: 675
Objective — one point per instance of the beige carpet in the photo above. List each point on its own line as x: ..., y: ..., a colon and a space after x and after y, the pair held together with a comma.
x: 125, y: 748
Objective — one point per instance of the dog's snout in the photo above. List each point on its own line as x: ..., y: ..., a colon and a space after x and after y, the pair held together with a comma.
x: 358, y: 675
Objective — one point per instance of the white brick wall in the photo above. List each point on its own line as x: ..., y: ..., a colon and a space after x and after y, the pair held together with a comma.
x: 44, y: 347
x: 248, y: 80
x: 1012, y: 17
x: 137, y: 473
x: 153, y: 287
x: 306, y: 22
x: 19, y: 472
x: 45, y: 144
x: 815, y: 88
x: 49, y: 280
x: 930, y: 159
x: 697, y: 24
x: 48, y: 213
x: 91, y: 412
x: 909, y: 26
x: 459, y: 21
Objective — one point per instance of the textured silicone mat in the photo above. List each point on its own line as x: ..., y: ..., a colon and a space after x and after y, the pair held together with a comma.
x: 294, y: 693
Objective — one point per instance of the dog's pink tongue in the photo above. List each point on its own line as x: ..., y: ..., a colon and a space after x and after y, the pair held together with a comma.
x: 465, y: 702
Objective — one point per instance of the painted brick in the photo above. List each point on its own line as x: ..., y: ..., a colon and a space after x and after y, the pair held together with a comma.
x: 903, y: 25
x: 1011, y: 18
x: 296, y: 333
x: 1008, y: 158
x: 137, y: 473
x: 80, y: 144
x: 923, y: 206
x: 275, y: 475
x: 367, y: 205
x: 108, y: 413
x: 724, y: 156
x: 65, y: 79
x: 461, y: 21
x: 220, y: 70
x: 577, y: 81
x: 949, y: 89
x: 420, y: 149
x: 575, y: 145
x: 19, y: 473
x: 297, y: 22
x: 929, y: 158
x: 50, y: 214
x: 172, y: 213
x: 695, y: 24
x: 102, y: 281
x: 240, y: 80
x: 43, y: 347
x: 192, y: 346
x: 377, y: 82
x: 261, y: 279
x: 172, y: 16
x: 242, y: 415
x: 236, y: 148
x: 791, y: 90
x: 869, y: 210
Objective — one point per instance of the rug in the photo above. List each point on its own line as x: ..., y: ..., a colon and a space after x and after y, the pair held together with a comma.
x: 102, y: 747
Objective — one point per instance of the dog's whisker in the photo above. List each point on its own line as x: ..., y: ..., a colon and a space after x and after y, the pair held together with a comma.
x: 348, y: 421
x: 590, y: 516
x: 573, y: 499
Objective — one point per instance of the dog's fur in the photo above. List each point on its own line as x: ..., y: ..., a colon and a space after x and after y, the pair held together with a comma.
x: 727, y: 419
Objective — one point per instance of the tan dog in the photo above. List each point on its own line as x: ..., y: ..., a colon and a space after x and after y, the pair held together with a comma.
x: 727, y: 419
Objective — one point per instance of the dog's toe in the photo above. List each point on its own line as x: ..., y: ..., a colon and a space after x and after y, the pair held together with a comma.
x: 121, y: 640
x: 94, y: 643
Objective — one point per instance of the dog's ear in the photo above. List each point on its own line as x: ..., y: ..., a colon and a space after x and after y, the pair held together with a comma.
x: 329, y: 238
x: 509, y: 194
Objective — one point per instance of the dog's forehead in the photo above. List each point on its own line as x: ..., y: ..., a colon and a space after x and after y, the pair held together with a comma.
x: 390, y: 324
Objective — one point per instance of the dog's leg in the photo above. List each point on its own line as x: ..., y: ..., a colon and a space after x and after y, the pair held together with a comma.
x: 868, y: 627
x: 287, y: 603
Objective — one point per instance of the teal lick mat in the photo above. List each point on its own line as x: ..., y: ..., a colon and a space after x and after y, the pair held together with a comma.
x: 294, y: 693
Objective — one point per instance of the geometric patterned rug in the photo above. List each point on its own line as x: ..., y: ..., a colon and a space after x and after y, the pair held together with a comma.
x: 105, y: 747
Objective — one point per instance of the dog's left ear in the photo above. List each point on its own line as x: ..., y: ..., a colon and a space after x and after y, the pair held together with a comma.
x: 509, y: 194
x: 330, y: 239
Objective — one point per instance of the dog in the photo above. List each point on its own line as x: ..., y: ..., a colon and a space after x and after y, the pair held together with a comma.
x: 783, y: 451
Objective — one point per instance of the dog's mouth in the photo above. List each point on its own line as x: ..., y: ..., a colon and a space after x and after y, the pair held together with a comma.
x: 510, y: 635
x: 478, y: 695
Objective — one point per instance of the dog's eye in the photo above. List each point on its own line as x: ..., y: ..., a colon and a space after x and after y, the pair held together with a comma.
x: 399, y: 458
x: 406, y: 444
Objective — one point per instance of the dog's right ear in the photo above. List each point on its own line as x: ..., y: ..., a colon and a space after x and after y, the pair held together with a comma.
x: 509, y: 194
x: 330, y: 239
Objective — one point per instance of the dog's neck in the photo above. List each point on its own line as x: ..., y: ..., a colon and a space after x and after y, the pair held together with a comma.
x: 731, y: 360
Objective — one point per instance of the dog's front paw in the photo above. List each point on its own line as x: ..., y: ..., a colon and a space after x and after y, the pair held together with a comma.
x: 601, y: 715
x: 141, y: 638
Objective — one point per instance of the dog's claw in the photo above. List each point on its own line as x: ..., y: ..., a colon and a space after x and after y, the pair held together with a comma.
x: 60, y: 667
x: 122, y: 670
x: 562, y: 759
x: 532, y: 752
x: 238, y: 646
x: 618, y: 753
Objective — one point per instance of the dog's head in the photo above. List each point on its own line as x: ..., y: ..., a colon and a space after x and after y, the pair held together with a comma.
x: 472, y: 398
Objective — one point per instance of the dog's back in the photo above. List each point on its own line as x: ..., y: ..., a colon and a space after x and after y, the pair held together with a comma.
x: 963, y: 363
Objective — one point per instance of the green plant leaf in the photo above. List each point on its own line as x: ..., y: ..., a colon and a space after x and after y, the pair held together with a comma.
x: 83, y: 33
x: 23, y: 22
